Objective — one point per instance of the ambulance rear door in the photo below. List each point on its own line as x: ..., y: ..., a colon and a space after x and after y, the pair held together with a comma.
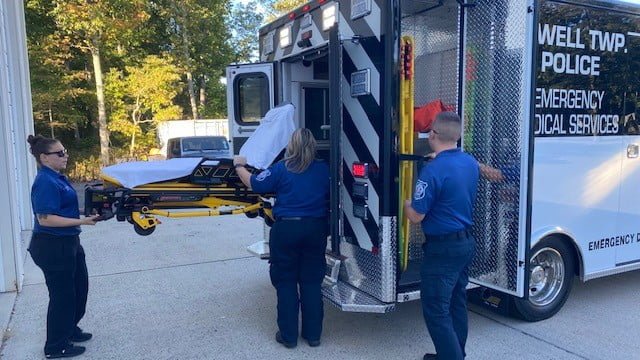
x: 250, y: 94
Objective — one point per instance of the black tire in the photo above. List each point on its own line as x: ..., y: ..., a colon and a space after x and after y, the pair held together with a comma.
x: 252, y: 214
x: 548, y: 288
x: 269, y: 221
x: 143, y: 232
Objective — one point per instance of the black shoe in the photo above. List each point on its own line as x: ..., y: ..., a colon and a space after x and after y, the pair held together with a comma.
x: 312, y: 343
x: 429, y: 356
x: 67, y: 352
x: 80, y: 336
x: 281, y: 341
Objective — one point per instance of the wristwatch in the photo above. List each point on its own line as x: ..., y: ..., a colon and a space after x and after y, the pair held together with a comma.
x: 239, y: 165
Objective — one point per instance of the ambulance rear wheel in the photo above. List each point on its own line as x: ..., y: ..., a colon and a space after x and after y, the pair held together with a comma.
x: 551, y: 271
x: 143, y: 232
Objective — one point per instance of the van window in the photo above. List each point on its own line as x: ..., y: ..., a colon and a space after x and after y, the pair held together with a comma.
x: 173, y: 149
x: 205, y: 143
x: 252, y: 94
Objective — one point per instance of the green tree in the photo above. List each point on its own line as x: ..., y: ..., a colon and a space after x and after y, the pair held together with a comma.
x: 244, y: 23
x: 280, y: 7
x: 59, y: 87
x: 197, y: 41
x: 142, y: 95
x: 96, y: 26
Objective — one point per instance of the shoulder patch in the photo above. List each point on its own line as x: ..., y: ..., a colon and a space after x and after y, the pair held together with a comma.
x: 263, y: 175
x: 421, y: 190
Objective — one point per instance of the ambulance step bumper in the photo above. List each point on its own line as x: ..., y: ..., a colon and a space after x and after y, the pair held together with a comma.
x: 347, y: 298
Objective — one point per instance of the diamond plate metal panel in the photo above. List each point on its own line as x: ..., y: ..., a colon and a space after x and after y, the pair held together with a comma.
x: 347, y: 298
x: 435, y: 30
x: 435, y: 34
x: 496, y: 88
x: 375, y: 274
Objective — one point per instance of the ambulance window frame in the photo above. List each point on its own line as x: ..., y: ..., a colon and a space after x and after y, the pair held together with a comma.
x: 237, y: 106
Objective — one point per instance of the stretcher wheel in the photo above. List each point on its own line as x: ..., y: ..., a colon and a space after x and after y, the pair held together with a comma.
x: 252, y: 214
x: 143, y: 232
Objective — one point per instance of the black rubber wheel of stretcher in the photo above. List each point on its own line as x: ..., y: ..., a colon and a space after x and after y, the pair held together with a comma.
x: 143, y: 232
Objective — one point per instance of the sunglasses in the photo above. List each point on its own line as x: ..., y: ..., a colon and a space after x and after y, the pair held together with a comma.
x: 61, y: 153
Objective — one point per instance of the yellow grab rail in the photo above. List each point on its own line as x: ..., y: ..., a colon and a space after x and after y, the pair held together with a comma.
x: 406, y: 143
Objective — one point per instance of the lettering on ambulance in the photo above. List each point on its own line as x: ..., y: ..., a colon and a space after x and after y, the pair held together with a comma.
x: 615, y: 241
x: 586, y: 75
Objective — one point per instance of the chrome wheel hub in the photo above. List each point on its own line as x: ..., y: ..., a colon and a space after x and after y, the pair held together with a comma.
x: 547, y: 276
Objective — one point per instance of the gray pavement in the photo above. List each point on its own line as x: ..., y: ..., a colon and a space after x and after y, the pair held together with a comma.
x: 191, y: 291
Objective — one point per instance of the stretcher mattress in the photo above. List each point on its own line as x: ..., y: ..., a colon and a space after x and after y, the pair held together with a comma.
x: 136, y: 173
x: 268, y: 140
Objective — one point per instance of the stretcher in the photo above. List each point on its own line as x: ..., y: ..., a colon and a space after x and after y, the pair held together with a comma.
x: 140, y: 192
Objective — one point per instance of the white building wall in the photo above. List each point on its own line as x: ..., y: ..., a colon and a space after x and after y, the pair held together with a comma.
x: 17, y: 167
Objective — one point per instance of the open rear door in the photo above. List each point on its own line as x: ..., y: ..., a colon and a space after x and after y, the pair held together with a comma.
x: 497, y: 108
x: 250, y: 94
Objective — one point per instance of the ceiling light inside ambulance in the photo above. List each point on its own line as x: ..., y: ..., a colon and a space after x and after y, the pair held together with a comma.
x: 329, y: 16
x: 285, y: 36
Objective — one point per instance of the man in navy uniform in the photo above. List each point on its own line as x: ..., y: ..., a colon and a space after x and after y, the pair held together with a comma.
x: 443, y: 202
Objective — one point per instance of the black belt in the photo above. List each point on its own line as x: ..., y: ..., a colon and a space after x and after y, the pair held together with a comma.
x: 298, y: 218
x: 291, y: 218
x: 459, y: 235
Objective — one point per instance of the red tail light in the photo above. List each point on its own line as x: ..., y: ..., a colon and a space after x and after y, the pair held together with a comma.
x: 360, y: 170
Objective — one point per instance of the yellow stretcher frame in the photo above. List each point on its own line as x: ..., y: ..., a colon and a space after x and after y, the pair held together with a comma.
x: 406, y: 145
x: 145, y: 219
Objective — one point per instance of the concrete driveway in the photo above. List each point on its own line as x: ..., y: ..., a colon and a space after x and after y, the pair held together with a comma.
x: 191, y: 291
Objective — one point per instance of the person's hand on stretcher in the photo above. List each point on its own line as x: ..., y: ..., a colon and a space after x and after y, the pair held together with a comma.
x: 240, y: 163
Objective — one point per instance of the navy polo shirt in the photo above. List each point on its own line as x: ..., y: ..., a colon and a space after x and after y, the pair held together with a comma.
x: 297, y: 195
x: 52, y: 194
x: 446, y: 191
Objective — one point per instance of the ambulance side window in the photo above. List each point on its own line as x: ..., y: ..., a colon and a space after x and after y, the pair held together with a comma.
x: 251, y: 92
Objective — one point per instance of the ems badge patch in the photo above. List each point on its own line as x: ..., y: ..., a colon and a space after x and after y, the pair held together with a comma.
x: 263, y: 175
x: 421, y: 190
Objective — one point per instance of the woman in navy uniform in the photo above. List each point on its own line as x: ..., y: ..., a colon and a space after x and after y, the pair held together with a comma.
x: 55, y: 248
x: 298, y: 238
x: 443, y: 202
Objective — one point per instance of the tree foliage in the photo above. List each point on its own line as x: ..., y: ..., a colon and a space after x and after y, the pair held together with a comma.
x: 106, y: 71
x: 141, y: 96
x: 244, y: 24
x: 281, y: 7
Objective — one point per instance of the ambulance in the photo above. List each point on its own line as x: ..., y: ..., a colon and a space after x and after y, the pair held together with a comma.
x: 548, y: 93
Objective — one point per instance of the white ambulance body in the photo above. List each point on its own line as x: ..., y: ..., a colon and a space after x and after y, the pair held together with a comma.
x: 548, y: 92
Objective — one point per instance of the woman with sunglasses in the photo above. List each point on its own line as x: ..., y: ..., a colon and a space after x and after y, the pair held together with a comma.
x: 55, y: 248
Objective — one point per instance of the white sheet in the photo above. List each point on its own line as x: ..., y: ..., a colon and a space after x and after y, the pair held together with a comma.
x: 264, y: 145
x: 136, y: 173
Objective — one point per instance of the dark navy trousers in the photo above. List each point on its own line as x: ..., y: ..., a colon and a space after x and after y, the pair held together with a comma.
x: 297, y: 269
x: 62, y: 260
x: 445, y: 274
